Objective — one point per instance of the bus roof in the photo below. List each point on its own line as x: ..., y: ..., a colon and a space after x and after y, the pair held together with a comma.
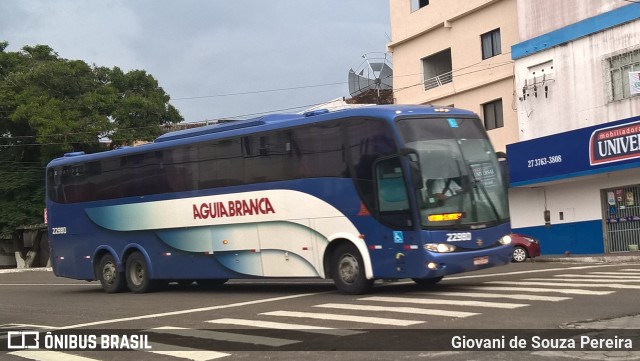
x: 386, y: 111
x: 266, y: 123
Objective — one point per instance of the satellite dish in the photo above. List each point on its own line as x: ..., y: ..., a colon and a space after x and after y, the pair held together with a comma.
x: 373, y: 75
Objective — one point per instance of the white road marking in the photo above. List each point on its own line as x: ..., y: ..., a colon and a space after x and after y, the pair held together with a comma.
x: 184, y: 352
x: 496, y: 295
x: 433, y: 301
x: 609, y: 276
x: 410, y: 310
x: 192, y: 310
x: 540, y: 290
x: 567, y: 284
x: 224, y: 336
x: 576, y: 279
x: 285, y: 326
x: 564, y: 269
x: 623, y: 272
x: 347, y: 318
x: 41, y: 355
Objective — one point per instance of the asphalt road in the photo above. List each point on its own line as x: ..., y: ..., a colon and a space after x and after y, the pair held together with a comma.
x: 542, y: 303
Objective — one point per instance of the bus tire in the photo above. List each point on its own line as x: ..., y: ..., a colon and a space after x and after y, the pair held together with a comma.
x: 427, y: 281
x: 348, y: 270
x: 137, y: 274
x: 107, y: 273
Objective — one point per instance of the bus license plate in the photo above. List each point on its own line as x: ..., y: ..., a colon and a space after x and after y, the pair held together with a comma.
x: 477, y: 261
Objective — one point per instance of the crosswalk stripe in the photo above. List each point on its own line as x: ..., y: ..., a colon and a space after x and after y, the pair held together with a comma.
x: 541, y: 290
x: 185, y: 352
x: 636, y: 278
x: 348, y: 318
x: 434, y: 301
x: 572, y: 279
x: 497, y: 295
x: 567, y: 284
x: 626, y: 273
x: 286, y: 326
x: 41, y: 355
x: 410, y: 310
x: 224, y: 336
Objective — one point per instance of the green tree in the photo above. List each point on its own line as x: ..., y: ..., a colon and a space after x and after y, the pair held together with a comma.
x: 50, y: 106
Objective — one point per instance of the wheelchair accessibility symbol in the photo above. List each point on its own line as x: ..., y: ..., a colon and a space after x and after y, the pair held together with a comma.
x: 398, y: 237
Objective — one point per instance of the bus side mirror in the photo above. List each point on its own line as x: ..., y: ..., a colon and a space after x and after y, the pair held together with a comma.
x: 504, y: 167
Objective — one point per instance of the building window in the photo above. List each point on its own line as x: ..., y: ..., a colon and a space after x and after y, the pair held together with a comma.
x: 493, y: 114
x: 418, y: 4
x: 490, y: 44
x: 437, y: 69
x: 619, y: 68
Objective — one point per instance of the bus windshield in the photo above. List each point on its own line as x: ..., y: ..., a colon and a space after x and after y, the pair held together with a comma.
x: 463, y: 187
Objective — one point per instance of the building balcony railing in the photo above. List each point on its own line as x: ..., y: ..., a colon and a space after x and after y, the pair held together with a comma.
x: 438, y: 80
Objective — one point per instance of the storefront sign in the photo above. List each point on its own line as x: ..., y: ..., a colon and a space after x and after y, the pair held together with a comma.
x: 613, y: 144
x: 586, y: 151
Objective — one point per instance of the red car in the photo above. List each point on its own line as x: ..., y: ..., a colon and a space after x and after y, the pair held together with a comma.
x: 524, y: 247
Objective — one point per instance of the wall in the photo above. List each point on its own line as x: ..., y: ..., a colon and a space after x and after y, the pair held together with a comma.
x: 542, y: 16
x: 457, y: 25
x: 578, y: 93
x: 579, y: 199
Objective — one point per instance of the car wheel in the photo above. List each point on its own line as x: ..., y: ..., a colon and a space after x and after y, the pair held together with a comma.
x: 519, y: 254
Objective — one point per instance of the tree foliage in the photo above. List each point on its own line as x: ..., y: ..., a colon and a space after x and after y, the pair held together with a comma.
x: 50, y: 106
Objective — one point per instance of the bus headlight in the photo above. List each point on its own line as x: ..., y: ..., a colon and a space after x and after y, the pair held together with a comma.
x: 505, y: 240
x: 440, y: 247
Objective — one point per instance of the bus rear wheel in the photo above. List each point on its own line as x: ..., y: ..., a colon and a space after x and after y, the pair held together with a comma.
x: 348, y: 270
x: 137, y: 274
x: 110, y: 278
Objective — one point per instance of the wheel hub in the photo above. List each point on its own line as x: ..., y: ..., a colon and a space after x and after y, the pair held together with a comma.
x: 109, y: 273
x: 349, y: 269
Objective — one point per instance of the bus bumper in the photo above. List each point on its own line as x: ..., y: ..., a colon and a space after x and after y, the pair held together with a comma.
x: 443, y: 264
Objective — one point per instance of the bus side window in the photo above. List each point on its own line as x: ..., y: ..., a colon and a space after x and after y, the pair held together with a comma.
x: 392, y: 200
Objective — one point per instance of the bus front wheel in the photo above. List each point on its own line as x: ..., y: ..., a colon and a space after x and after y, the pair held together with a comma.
x: 137, y: 274
x: 110, y: 278
x: 348, y: 270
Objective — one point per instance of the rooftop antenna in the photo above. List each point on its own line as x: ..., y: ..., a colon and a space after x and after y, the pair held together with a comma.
x: 373, y: 75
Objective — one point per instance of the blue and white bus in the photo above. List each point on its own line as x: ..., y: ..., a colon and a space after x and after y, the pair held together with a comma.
x: 379, y: 192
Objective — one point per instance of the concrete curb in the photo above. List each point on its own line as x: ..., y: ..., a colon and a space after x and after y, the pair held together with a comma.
x: 20, y: 270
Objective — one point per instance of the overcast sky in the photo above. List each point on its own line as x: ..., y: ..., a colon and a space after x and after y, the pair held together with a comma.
x: 202, y: 50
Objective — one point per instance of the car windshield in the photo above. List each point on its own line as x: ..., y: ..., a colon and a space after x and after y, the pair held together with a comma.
x: 463, y: 186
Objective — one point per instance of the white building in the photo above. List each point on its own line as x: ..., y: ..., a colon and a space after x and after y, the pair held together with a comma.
x: 578, y: 159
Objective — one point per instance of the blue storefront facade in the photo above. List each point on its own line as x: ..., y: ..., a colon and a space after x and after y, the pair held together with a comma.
x: 579, y: 191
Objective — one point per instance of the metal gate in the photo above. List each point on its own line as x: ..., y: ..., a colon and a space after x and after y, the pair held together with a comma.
x: 621, y: 214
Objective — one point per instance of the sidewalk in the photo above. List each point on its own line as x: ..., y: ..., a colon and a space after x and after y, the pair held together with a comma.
x: 620, y: 257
